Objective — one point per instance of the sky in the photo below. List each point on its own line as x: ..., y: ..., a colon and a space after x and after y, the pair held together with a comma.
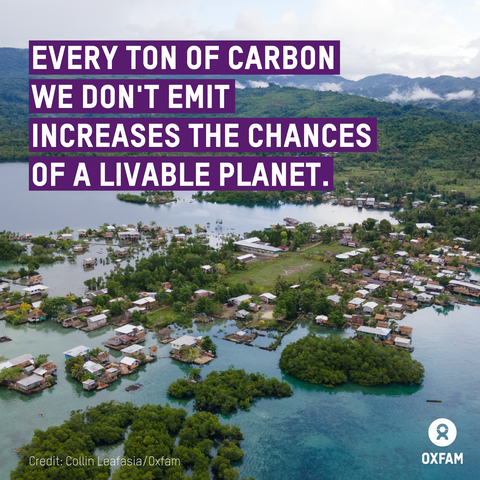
x: 415, y: 38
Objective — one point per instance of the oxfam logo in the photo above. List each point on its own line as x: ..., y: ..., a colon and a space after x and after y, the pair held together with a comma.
x: 442, y: 432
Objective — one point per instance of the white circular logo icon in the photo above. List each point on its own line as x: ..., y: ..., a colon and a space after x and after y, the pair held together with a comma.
x: 442, y: 432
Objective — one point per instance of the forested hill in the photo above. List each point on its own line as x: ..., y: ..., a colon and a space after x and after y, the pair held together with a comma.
x: 407, y: 133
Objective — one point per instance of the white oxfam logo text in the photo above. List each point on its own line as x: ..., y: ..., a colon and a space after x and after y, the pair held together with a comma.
x: 442, y: 432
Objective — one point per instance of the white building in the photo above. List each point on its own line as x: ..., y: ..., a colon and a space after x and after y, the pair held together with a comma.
x: 129, y: 330
x: 185, y: 340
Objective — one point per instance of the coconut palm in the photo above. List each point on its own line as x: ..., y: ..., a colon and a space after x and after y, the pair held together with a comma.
x: 77, y: 371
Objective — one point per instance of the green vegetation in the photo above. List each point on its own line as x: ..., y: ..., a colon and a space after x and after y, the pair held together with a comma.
x: 76, y: 438
x: 180, y: 443
x: 129, y: 197
x: 151, y: 197
x: 229, y: 390
x: 10, y: 250
x: 331, y: 361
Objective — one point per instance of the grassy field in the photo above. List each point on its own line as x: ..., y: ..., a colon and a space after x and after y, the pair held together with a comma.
x: 291, y: 265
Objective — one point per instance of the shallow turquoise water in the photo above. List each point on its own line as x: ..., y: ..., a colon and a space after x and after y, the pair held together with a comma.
x: 348, y: 432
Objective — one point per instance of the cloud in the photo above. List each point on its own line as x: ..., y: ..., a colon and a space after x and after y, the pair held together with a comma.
x: 325, y: 87
x: 414, y: 95
x: 462, y: 95
x: 239, y: 85
x: 416, y: 38
x: 257, y: 84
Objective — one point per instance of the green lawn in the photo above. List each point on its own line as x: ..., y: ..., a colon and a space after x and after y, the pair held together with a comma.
x: 291, y: 265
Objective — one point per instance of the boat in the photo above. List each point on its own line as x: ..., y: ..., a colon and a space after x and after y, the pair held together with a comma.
x: 101, y: 387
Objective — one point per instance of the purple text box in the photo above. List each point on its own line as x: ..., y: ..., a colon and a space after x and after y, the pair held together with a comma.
x: 180, y: 173
x: 131, y: 96
x: 183, y: 57
x: 280, y: 135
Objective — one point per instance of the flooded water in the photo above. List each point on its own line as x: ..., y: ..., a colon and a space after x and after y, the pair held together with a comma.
x: 40, y: 213
x: 348, y: 432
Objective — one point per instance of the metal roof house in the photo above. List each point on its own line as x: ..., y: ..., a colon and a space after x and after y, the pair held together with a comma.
x: 133, y: 350
x: 184, y: 340
x: 75, y: 352
x: 376, y: 332
x: 29, y: 383
x: 93, y: 368
x: 253, y: 245
x: 129, y: 329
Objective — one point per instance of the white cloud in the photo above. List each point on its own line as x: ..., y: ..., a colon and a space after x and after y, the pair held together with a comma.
x: 463, y: 95
x: 257, y: 84
x: 239, y: 85
x: 325, y: 87
x: 416, y: 38
x: 414, y: 95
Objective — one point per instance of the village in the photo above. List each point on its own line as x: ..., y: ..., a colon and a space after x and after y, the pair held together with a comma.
x: 364, y: 278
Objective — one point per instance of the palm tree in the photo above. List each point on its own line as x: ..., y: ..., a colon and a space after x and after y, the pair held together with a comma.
x: 77, y: 371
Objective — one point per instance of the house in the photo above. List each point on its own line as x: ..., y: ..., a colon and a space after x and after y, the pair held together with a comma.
x: 240, y: 299
x: 121, y: 252
x: 203, y: 293
x: 397, y: 307
x: 141, y: 310
x: 49, y: 367
x: 402, y: 342
x: 75, y: 352
x: 255, y: 245
x: 66, y: 236
x: 78, y: 249
x: 185, y: 340
x: 206, y: 268
x: 130, y: 362
x: 241, y: 314
x: 254, y: 307
x: 355, y: 303
x: 97, y: 321
x: 145, y: 302
x: 424, y: 297
x: 119, y: 340
x: 89, y: 262
x: 129, y: 234
x: 267, y: 297
x: 97, y: 293
x: 89, y: 384
x: 93, y: 368
x: 23, y: 361
x: 334, y: 299
x: 72, y: 322
x: 29, y: 383
x: 36, y: 290
x: 369, y: 307
x: 132, y: 350
x: 376, y: 332
x: 129, y: 330
x: 321, y: 319
x: 36, y: 316
x: 35, y: 280
x: 82, y: 233
x: 84, y: 310
x: 362, y: 293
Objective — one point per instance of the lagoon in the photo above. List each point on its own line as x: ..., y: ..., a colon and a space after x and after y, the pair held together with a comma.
x: 348, y: 432
x: 39, y: 213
